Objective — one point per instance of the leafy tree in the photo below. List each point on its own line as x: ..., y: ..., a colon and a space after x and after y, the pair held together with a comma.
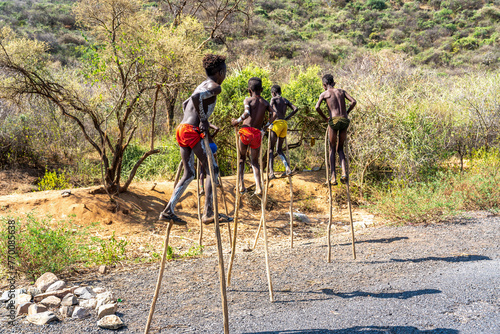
x: 131, y: 61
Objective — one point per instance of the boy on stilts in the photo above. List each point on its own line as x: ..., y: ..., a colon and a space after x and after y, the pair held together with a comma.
x: 189, y: 134
x: 279, y: 128
x: 338, y: 122
x: 251, y: 131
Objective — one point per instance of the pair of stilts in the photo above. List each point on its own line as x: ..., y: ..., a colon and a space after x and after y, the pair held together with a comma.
x: 330, y: 202
x: 262, y: 224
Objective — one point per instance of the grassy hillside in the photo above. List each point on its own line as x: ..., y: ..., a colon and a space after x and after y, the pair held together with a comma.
x: 438, y: 33
x: 442, y: 33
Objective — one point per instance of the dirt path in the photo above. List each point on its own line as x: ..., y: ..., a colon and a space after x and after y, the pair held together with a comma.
x: 414, y: 279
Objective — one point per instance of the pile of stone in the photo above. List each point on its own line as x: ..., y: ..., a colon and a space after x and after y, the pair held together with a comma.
x: 50, y: 299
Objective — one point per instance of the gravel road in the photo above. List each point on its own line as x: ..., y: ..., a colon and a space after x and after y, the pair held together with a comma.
x: 441, y: 278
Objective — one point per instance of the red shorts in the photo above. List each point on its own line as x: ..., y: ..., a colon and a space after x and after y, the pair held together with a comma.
x: 188, y: 135
x: 250, y: 136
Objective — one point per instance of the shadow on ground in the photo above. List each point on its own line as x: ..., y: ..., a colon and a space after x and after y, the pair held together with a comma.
x: 461, y: 258
x: 366, y: 330
x: 396, y: 295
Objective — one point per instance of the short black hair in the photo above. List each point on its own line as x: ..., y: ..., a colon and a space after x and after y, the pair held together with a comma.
x: 328, y: 80
x: 255, y: 84
x: 213, y: 63
x: 276, y: 89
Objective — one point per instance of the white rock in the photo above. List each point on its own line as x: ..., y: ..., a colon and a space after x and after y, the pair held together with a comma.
x: 103, y: 269
x: 80, y: 313
x: 105, y: 298
x: 59, y: 285
x: 58, y: 294
x: 42, y: 318
x: 22, y: 298
x: 5, y: 294
x: 69, y: 300
x: 66, y: 311
x: 88, y: 303
x: 44, y: 281
x: 86, y: 293
x: 99, y: 290
x: 51, y: 301
x: 36, y: 308
x: 105, y: 310
x: 23, y: 308
x: 110, y: 322
x: 34, y: 291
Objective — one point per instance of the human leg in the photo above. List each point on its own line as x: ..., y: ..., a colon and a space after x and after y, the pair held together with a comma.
x: 254, y: 156
x: 282, y: 155
x: 332, y: 136
x: 273, y: 140
x: 340, y: 151
x: 189, y: 172
x: 242, y: 158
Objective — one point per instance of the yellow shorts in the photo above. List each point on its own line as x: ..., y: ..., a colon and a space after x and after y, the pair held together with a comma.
x: 280, y: 127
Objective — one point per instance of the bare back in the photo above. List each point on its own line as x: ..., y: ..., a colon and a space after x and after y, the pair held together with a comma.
x: 258, y: 107
x: 335, y: 101
x: 191, y: 115
x: 279, y: 105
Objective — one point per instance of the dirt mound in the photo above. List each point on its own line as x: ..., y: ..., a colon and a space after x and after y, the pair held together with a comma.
x: 133, y: 215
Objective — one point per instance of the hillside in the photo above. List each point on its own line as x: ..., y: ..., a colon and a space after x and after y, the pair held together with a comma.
x: 438, y: 33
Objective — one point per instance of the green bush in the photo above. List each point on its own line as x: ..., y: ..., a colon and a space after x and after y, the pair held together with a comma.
x: 160, y: 165
x: 41, y: 248
x: 54, y: 181
x: 444, y: 194
x: 376, y: 4
x: 109, y: 251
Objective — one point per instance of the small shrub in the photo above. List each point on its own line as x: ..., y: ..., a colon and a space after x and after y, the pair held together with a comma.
x: 194, y: 250
x: 110, y: 251
x: 376, y: 4
x: 41, y: 248
x: 54, y: 181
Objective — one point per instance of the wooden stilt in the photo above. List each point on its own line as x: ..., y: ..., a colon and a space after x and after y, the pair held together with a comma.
x: 178, y: 174
x: 291, y: 196
x: 236, y: 208
x: 329, y: 184
x: 349, y: 199
x: 264, y: 203
x: 222, y: 276
x: 198, y: 181
x: 262, y: 183
x: 257, y: 234
x: 225, y: 207
x: 352, y: 224
x: 158, y: 282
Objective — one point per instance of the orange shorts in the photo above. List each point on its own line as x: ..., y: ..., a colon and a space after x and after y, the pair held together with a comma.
x: 250, y: 136
x: 188, y: 135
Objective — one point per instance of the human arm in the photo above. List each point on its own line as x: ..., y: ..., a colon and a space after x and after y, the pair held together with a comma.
x: 294, y: 110
x: 352, y: 100
x: 214, y: 127
x: 272, y: 116
x: 198, y: 103
x: 318, y: 107
x: 245, y: 115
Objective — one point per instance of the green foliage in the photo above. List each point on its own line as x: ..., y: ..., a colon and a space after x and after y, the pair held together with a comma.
x: 443, y: 195
x: 162, y: 165
x: 110, y: 251
x: 54, y: 181
x: 195, y: 250
x: 41, y: 248
x: 376, y: 4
